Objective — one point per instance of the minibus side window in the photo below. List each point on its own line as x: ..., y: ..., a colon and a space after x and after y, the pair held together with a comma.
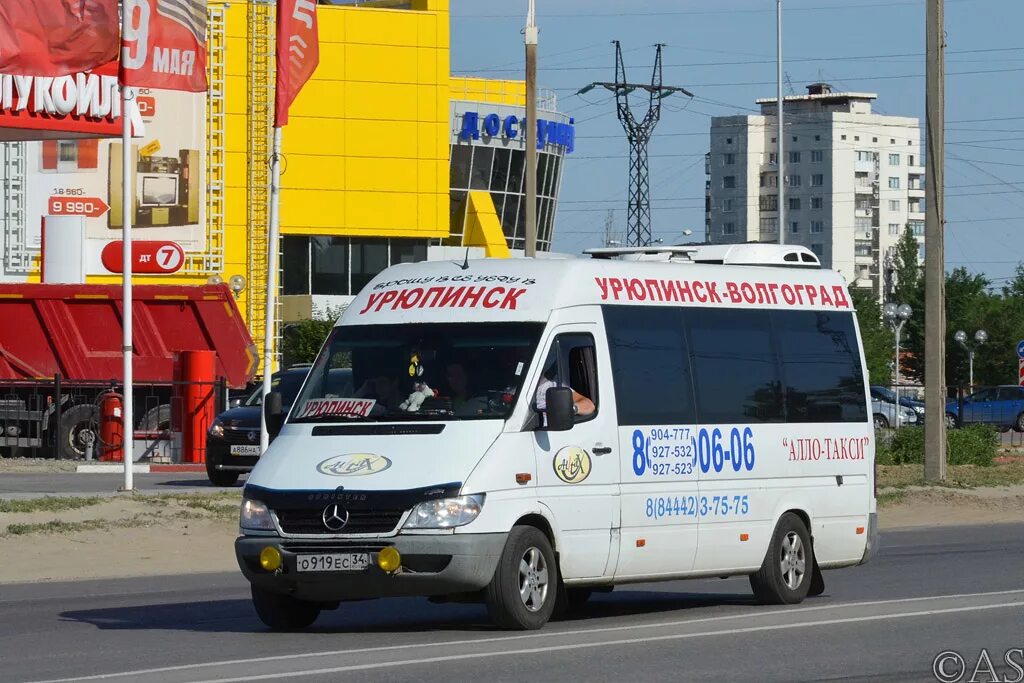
x: 821, y: 366
x: 650, y: 365
x: 735, y: 366
x: 571, y: 362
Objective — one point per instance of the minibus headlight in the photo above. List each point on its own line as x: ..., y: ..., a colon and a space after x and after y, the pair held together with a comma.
x: 255, y: 515
x: 445, y: 513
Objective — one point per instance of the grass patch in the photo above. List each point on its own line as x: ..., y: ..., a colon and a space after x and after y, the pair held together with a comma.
x: 60, y: 527
x: 217, y: 505
x: 957, y: 476
x: 48, y: 504
x: 891, y: 498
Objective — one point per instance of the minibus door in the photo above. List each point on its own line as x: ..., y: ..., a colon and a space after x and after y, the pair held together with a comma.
x: 577, y: 469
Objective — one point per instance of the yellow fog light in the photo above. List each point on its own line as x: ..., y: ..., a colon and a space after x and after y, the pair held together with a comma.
x: 388, y: 559
x: 270, y: 558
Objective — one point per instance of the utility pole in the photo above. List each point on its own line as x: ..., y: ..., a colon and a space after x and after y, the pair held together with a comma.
x: 934, y: 255
x: 638, y: 134
x: 530, y: 41
x: 779, y: 114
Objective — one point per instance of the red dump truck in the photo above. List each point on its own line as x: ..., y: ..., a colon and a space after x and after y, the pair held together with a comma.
x: 60, y: 353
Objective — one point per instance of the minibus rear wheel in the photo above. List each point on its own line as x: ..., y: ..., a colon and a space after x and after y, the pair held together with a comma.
x: 521, y: 596
x: 785, y: 575
x: 283, y: 612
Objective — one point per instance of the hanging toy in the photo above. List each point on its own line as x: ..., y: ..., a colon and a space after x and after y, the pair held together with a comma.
x: 415, y: 369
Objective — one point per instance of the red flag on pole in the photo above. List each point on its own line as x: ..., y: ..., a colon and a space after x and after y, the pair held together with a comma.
x: 164, y: 45
x: 57, y: 37
x: 298, y: 52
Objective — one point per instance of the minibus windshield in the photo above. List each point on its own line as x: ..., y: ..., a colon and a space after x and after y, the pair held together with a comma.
x: 435, y: 371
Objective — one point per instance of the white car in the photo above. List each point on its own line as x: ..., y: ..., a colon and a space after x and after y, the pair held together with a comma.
x: 885, y: 414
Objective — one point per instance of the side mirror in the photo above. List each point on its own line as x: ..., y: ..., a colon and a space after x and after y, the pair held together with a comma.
x: 273, y: 412
x: 559, y: 411
x: 234, y: 403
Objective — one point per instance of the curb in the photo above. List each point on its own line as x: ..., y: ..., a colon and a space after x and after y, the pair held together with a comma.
x: 111, y: 468
x: 182, y: 467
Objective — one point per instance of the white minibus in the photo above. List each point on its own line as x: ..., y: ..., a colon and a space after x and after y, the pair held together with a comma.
x: 525, y: 432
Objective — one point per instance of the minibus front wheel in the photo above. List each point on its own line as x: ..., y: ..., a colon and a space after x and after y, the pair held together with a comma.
x: 785, y: 575
x: 283, y: 612
x: 523, y: 591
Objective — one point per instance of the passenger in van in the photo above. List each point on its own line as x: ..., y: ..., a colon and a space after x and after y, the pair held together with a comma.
x: 549, y: 379
x: 463, y: 404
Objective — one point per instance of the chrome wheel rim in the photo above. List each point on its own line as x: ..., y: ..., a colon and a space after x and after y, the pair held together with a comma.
x: 880, y: 422
x: 533, y: 579
x: 793, y: 563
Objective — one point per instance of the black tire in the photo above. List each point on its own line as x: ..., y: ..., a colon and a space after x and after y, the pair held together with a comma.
x: 72, y: 432
x: 881, y: 421
x: 220, y: 477
x: 526, y: 545
x: 283, y: 612
x: 157, y: 419
x: 785, y: 575
x: 951, y: 421
x: 1018, y: 425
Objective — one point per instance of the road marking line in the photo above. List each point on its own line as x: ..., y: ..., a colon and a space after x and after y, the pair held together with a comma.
x: 604, y: 643
x: 547, y: 633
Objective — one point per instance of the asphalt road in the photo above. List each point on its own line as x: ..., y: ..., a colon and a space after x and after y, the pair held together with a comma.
x: 959, y: 589
x: 14, y: 485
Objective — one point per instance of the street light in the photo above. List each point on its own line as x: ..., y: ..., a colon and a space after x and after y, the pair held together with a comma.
x: 980, y: 337
x: 897, y: 316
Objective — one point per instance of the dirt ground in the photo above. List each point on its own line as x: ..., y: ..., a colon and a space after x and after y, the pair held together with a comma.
x: 60, y: 539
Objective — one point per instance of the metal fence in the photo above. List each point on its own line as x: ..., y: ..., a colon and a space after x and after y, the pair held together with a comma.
x: 79, y: 420
x: 962, y: 408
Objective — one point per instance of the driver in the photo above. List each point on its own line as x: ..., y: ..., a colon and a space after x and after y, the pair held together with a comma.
x: 549, y: 379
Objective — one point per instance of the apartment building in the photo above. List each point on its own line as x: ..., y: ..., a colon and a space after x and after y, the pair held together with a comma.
x: 854, y: 180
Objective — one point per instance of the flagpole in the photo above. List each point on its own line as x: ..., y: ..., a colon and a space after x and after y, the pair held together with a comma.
x: 272, y: 240
x: 128, y: 431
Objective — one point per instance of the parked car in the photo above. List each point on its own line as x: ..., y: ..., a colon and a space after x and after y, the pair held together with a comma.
x: 233, y: 441
x: 1002, y: 406
x: 885, y: 414
x: 889, y: 396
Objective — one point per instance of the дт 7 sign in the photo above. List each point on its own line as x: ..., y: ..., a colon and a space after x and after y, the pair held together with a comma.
x: 149, y: 257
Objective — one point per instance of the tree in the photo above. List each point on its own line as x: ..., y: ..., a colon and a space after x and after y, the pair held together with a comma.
x: 909, y: 289
x: 875, y: 334
x: 301, y: 341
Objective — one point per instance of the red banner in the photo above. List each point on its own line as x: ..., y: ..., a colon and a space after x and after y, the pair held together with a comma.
x: 57, y: 37
x: 298, y: 52
x: 164, y: 45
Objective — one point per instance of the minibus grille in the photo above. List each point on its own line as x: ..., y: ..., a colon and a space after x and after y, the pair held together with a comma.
x: 310, y: 522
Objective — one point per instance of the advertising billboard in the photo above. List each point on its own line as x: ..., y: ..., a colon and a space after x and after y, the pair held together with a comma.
x: 83, y: 177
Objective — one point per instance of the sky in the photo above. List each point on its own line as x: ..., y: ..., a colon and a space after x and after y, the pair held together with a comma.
x: 724, y: 52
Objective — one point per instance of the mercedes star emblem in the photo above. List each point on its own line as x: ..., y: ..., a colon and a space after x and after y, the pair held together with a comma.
x: 335, y: 517
x: 253, y: 436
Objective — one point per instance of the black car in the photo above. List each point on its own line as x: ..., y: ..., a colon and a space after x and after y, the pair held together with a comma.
x: 233, y: 441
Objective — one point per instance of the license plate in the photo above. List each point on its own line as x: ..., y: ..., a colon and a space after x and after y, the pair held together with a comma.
x: 245, y: 450
x: 333, y: 562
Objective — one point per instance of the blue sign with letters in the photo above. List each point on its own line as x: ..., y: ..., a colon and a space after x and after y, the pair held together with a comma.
x: 492, y: 125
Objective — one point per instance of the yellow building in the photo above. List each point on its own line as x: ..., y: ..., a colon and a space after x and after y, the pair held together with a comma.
x: 386, y: 158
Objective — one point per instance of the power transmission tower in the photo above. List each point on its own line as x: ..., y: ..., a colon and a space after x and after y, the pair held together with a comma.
x: 639, y: 134
x: 609, y: 229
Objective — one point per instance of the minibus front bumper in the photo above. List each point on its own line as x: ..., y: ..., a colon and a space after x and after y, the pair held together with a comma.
x: 441, y: 564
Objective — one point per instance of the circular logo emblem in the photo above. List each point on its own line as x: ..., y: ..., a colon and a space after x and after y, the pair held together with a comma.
x: 353, y: 465
x: 334, y: 517
x: 572, y: 464
x: 254, y: 437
